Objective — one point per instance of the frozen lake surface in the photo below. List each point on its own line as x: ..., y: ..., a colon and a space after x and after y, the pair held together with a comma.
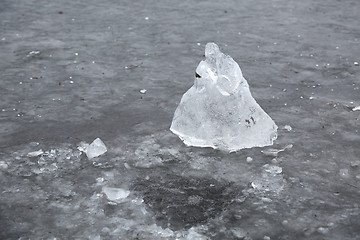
x: 73, y: 71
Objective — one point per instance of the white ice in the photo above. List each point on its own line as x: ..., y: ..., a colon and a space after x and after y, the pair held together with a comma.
x: 36, y: 153
x: 115, y: 194
x: 219, y: 111
x: 95, y: 149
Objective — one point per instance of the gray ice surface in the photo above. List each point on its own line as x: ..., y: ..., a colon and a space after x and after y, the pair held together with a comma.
x: 72, y: 71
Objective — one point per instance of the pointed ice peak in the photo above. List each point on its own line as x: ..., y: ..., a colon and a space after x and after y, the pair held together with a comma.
x: 219, y: 110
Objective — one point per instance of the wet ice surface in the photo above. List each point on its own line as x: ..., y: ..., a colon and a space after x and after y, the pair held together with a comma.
x: 149, y: 185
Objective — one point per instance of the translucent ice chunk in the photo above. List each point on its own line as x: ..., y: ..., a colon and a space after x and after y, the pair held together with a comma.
x: 274, y: 152
x: 95, y: 149
x: 36, y: 153
x: 271, y: 179
x: 288, y: 128
x: 115, y: 194
x: 356, y: 108
x: 219, y: 111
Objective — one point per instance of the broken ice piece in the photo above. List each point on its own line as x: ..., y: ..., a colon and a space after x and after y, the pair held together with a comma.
x: 270, y: 179
x: 288, y: 128
x: 36, y: 153
x: 83, y: 146
x: 274, y: 152
x: 95, y: 149
x: 356, y: 108
x: 355, y: 163
x: 143, y: 91
x: 115, y: 194
x: 219, y: 111
x: 272, y: 169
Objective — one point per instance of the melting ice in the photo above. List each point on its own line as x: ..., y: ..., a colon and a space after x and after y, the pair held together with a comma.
x: 219, y: 111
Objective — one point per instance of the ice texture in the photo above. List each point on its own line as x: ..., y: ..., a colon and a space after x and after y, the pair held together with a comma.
x: 219, y: 111
x: 95, y: 149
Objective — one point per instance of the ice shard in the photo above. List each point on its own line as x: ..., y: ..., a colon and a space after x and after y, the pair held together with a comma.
x: 95, y: 149
x: 219, y: 111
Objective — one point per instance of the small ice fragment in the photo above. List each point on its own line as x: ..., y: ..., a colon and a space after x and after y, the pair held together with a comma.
x: 274, y: 152
x: 33, y: 53
x: 219, y: 111
x: 34, y: 144
x: 198, y: 44
x: 270, y: 179
x: 356, y: 108
x: 95, y: 149
x: 344, y: 172
x: 249, y: 159
x: 35, y: 154
x: 71, y: 82
x: 265, y: 199
x: 355, y: 163
x: 356, y: 63
x: 143, y: 91
x: 3, y: 165
x: 100, y: 179
x: 76, y: 54
x: 132, y: 66
x: 288, y: 127
x: 115, y: 194
x: 146, y: 18
x: 271, y: 152
x: 323, y: 230
x: 311, y: 98
x: 267, y: 238
x: 83, y: 146
x: 272, y: 169
x: 239, y: 233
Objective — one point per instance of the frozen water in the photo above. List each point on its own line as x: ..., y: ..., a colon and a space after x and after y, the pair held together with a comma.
x: 288, y: 127
x: 36, y: 153
x: 95, y: 149
x: 271, y: 179
x: 219, y: 111
x: 115, y: 194
x: 274, y: 152
x: 272, y: 169
x: 193, y: 234
x: 83, y: 146
x: 355, y: 163
x: 239, y: 233
x: 344, y: 172
x: 356, y: 108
